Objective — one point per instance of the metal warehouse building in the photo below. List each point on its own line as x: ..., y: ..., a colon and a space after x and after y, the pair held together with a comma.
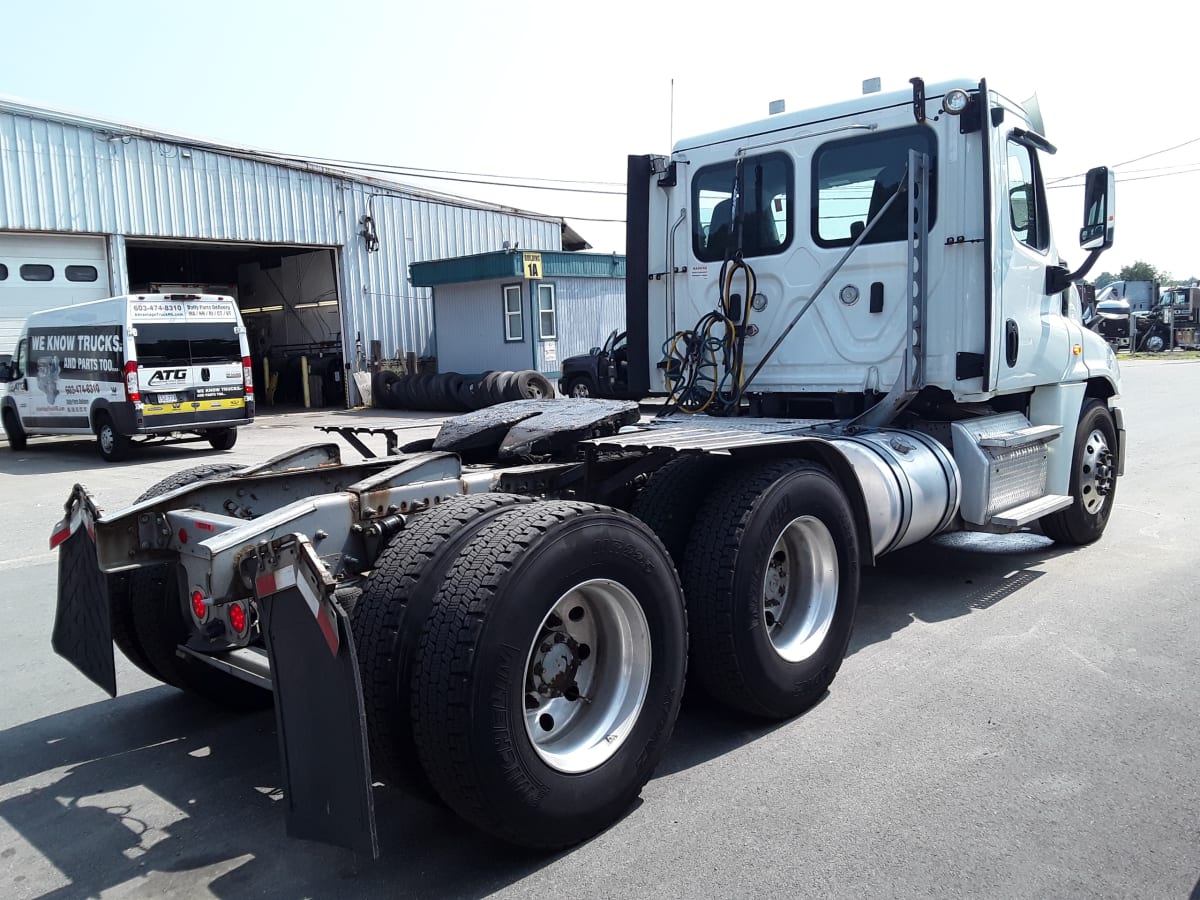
x: 318, y: 258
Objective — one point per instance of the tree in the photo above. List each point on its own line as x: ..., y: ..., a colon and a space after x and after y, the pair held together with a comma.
x: 1143, y: 271
x: 1104, y: 279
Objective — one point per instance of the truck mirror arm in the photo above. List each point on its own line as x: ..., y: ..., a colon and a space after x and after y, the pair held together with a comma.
x: 1058, y: 279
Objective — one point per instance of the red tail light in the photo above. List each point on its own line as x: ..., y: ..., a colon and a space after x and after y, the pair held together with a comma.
x: 237, y: 617
x: 248, y: 376
x: 132, y: 390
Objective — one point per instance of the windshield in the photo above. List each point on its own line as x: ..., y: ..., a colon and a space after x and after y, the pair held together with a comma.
x: 165, y: 343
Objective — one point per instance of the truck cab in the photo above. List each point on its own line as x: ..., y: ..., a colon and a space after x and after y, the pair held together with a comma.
x: 791, y: 234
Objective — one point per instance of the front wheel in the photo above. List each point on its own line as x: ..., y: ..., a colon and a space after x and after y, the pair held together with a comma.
x: 1093, y: 480
x: 550, y: 672
x: 581, y: 387
x: 114, y: 446
x: 13, y: 430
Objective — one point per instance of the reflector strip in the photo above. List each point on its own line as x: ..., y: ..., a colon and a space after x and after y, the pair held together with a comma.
x: 68, y: 527
x: 281, y: 580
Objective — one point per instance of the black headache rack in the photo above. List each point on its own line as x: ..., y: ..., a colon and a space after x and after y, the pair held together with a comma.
x: 314, y: 670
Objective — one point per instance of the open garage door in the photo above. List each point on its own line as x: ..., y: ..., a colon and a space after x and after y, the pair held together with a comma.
x: 45, y: 271
x: 289, y: 299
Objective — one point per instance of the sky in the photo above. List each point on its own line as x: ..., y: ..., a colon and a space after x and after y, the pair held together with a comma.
x: 566, y: 91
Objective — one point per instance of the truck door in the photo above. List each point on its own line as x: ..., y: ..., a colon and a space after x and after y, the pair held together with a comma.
x: 1031, y: 339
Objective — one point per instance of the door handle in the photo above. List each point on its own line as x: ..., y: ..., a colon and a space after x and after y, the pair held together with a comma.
x: 1011, y: 342
x: 205, y: 375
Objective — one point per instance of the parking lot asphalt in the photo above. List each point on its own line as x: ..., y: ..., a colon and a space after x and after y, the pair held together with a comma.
x: 1013, y: 720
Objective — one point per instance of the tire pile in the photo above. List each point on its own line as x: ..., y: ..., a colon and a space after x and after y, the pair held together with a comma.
x: 454, y: 392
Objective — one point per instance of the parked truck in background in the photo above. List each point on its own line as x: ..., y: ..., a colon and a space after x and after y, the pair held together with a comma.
x: 858, y: 320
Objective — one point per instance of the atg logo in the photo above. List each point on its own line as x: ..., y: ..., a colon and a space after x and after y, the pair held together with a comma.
x: 167, y: 376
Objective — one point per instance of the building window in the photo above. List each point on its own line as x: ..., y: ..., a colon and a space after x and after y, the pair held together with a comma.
x: 1026, y: 200
x: 82, y: 273
x: 3, y: 272
x: 36, y: 272
x: 547, y: 319
x: 514, y: 317
x: 853, y: 179
x: 767, y: 188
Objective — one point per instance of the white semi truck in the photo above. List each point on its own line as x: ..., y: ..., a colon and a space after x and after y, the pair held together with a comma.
x: 859, y: 318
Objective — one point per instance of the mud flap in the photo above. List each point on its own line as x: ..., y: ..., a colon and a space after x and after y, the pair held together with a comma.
x: 318, y: 698
x: 82, y: 624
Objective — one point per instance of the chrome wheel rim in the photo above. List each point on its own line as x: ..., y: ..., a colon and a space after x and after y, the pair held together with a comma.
x: 800, y: 588
x: 106, y: 438
x: 1096, y: 472
x: 580, y: 390
x: 586, y: 676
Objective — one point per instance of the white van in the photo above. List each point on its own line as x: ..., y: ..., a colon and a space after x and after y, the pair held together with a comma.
x: 164, y: 366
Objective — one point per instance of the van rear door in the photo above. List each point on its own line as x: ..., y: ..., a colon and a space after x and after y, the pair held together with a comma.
x: 189, y: 360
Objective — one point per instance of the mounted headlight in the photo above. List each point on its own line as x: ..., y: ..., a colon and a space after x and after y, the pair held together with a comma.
x: 955, y: 101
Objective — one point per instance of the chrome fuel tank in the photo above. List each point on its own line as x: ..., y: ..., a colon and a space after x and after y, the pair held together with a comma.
x: 910, y: 483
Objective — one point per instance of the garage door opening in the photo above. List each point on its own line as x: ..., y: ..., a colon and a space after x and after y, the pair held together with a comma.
x: 289, y: 300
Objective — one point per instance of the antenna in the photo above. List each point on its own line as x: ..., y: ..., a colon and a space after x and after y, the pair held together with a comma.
x: 671, y: 133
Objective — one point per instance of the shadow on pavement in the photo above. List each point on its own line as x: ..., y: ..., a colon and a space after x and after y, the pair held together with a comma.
x: 946, y: 577
x: 157, y: 786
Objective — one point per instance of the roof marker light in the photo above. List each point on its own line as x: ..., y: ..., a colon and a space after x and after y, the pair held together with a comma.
x: 955, y: 101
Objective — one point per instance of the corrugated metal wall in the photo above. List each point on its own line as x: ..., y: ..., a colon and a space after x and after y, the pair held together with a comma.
x: 61, y: 175
x: 588, y: 310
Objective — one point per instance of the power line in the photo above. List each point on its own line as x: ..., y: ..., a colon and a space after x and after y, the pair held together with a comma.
x: 463, y: 177
x: 1128, y: 161
x: 1053, y: 187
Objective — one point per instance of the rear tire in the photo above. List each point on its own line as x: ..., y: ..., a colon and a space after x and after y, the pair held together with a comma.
x: 121, y: 615
x: 387, y: 621
x: 1093, y: 480
x: 222, y: 438
x: 114, y: 446
x: 17, y: 438
x: 670, y: 499
x: 156, y: 597
x: 549, y: 672
x: 771, y: 576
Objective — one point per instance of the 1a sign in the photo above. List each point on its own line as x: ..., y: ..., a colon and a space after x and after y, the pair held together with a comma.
x: 532, y: 263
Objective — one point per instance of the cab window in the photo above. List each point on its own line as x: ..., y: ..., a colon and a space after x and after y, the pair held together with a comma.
x: 854, y: 178
x: 1027, y: 198
x: 762, y: 225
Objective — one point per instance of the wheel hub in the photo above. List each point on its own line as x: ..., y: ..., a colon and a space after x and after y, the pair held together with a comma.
x: 1097, y: 473
x: 586, y: 676
x: 800, y: 588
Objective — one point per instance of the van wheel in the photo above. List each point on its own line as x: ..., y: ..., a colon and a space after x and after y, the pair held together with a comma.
x: 114, y: 446
x: 13, y: 430
x: 771, y: 578
x: 222, y: 438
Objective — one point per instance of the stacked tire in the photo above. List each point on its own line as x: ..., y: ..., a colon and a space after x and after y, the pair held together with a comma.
x: 455, y: 392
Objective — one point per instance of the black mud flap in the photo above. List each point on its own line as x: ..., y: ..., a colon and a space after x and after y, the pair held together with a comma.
x: 82, y: 624
x: 318, y: 699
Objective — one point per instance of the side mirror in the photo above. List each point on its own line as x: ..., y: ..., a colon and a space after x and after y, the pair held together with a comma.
x: 1018, y: 204
x: 595, y: 351
x: 1099, y: 209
